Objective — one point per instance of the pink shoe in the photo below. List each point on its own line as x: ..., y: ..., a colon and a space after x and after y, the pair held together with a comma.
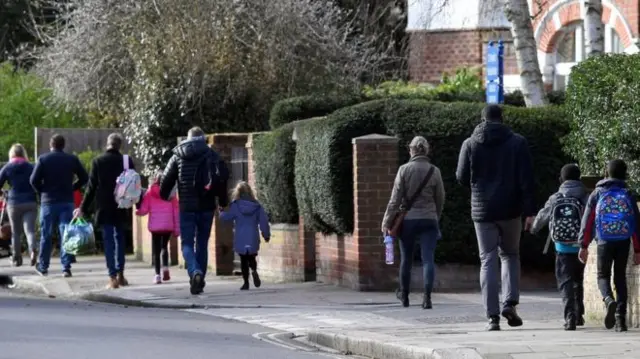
x: 157, y: 280
x: 165, y: 274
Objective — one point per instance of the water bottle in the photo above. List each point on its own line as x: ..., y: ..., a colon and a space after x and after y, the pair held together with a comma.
x: 388, y: 246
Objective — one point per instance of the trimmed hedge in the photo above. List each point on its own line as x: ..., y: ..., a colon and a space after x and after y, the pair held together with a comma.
x: 324, y: 174
x: 274, y: 155
x: 602, y: 101
x: 304, y: 107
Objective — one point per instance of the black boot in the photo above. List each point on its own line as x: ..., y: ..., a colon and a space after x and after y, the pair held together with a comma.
x: 494, y: 324
x: 426, y: 301
x: 610, y: 314
x: 403, y: 296
x: 510, y: 313
x: 245, y: 286
x: 570, y: 323
x: 621, y: 323
x: 580, y: 321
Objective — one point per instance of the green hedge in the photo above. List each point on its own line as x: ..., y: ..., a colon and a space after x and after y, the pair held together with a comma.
x: 304, y: 107
x: 324, y: 175
x: 274, y: 154
x: 602, y: 101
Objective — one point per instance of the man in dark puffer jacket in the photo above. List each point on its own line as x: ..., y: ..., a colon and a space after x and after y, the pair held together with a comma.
x: 201, y: 176
x: 496, y: 163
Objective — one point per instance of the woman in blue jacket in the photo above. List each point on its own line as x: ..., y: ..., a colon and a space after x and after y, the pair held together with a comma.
x: 21, y: 202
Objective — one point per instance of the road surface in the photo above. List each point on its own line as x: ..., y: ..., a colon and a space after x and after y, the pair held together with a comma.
x: 55, y: 329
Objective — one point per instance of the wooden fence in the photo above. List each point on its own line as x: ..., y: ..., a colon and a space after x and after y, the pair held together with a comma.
x: 79, y: 140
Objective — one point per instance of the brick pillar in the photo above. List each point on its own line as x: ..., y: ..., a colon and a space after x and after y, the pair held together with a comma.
x: 250, y: 163
x: 375, y: 163
x: 221, y: 254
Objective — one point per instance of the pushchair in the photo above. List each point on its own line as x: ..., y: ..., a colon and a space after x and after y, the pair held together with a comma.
x: 5, y: 228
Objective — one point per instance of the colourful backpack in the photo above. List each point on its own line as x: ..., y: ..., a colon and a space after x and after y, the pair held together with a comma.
x: 566, y: 217
x: 128, y: 187
x: 615, y: 215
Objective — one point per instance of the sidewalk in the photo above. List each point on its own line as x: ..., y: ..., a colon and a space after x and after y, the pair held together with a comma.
x: 368, y: 324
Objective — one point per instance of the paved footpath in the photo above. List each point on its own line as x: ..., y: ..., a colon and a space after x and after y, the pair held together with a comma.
x: 362, y: 323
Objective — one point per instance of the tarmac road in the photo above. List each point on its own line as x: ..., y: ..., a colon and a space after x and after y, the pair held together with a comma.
x: 56, y: 329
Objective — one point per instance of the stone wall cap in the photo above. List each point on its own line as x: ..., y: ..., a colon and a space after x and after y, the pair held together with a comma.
x: 375, y: 137
x: 284, y: 226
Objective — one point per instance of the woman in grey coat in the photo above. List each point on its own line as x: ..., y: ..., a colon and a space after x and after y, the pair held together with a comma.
x: 420, y: 224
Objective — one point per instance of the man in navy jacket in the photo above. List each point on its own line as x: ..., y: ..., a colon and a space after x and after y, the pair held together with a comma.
x: 53, y: 178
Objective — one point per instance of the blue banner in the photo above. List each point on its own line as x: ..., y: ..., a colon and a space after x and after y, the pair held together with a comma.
x: 495, y: 72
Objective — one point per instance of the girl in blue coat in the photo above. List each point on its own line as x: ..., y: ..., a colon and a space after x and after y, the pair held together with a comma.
x: 247, y: 215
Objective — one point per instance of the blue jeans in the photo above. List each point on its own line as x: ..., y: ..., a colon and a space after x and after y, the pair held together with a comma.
x: 195, y: 229
x: 52, y: 215
x: 113, y: 241
x: 426, y: 233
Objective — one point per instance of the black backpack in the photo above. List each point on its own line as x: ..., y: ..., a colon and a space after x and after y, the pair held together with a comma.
x: 210, y: 173
x: 566, y: 216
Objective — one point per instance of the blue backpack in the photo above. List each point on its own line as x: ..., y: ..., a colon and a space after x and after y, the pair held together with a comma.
x: 615, y: 215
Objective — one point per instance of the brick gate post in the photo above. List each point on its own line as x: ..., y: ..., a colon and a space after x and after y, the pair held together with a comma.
x: 375, y: 163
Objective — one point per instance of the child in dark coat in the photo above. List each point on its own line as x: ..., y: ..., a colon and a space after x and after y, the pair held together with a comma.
x: 248, y: 215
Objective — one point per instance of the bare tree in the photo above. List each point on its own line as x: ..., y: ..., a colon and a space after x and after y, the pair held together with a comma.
x: 164, y: 65
x: 518, y: 14
x: 594, y: 28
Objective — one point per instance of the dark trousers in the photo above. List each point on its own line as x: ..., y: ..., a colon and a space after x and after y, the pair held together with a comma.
x: 570, y: 276
x: 248, y: 261
x: 614, y: 253
x: 159, y: 243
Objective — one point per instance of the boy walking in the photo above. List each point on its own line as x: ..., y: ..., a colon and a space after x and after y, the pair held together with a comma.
x: 563, y: 214
x: 612, y: 217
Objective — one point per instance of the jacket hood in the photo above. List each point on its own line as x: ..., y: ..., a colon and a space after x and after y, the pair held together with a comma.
x: 247, y: 207
x: 154, y: 190
x: 610, y: 182
x: 191, y: 148
x: 491, y: 133
x: 573, y: 188
x: 419, y: 158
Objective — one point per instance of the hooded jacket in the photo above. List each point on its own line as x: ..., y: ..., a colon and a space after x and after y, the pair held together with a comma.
x: 247, y: 216
x: 496, y: 164
x: 569, y: 188
x: 588, y: 228
x: 164, y: 215
x: 183, y: 168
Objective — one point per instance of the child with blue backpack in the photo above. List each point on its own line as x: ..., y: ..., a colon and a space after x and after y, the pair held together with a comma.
x: 612, y: 217
x: 563, y: 214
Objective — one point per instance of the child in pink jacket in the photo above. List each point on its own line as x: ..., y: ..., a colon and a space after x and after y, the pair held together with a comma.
x: 163, y: 222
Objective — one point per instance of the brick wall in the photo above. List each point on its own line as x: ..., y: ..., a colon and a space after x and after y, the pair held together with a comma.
x: 593, y: 305
x: 431, y: 53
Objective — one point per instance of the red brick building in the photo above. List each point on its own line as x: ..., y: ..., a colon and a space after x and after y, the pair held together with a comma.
x: 445, y: 37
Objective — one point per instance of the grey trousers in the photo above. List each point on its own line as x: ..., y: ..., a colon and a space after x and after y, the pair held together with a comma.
x: 22, y: 218
x: 499, y: 239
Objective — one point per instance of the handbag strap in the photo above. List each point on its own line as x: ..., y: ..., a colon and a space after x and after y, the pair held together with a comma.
x: 424, y: 182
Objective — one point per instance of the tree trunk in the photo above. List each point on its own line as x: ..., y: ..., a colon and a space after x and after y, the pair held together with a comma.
x: 517, y: 12
x: 594, y: 28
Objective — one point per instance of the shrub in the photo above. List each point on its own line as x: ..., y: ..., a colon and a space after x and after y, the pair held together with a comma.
x: 324, y: 175
x: 274, y: 155
x: 305, y: 107
x: 605, y: 113
x: 25, y: 104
